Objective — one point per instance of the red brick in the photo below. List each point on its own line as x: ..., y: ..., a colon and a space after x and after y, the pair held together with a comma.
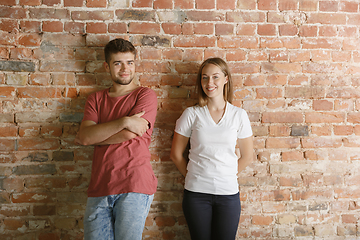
x: 345, y: 31
x: 237, y: 42
x: 96, y: 27
x: 205, y: 4
x: 246, y: 17
x: 48, y: 236
x: 205, y: 16
x: 292, y: 156
x: 279, y: 131
x: 14, y: 224
x: 9, y: 25
x: 203, y: 28
x: 208, y: 53
x: 33, y: 197
x: 165, y: 221
x: 195, y: 41
x: 288, y: 30
x: 262, y: 220
x: 38, y: 92
x: 276, y: 55
x: 327, y: 18
x: 117, y: 28
x: 30, y: 40
x: 162, y: 4
x: 51, y: 2
x: 340, y: 56
x: 150, y: 54
x: 193, y: 55
x: 144, y: 28
x: 285, y: 5
x: 14, y: 184
x: 324, y: 117
x: 73, y: 3
x: 282, y: 142
x: 53, y: 26
x: 30, y: 26
x: 171, y: 28
x: 268, y: 93
x: 328, y: 6
x: 8, y: 130
x: 172, y: 54
x: 267, y: 5
x: 30, y: 2
x: 308, y: 31
x: 29, y: 131
x: 320, y: 143
x: 224, y: 29
x: 96, y: 3
x: 8, y: 2
x: 142, y: 3
x: 235, y: 55
x: 248, y: 5
x: 322, y: 105
x: 348, y: 6
x: 327, y: 31
x: 266, y: 30
x: 38, y: 144
x: 290, y: 181
x: 184, y: 4
x: 284, y: 117
x: 226, y: 4
x: 7, y: 145
x: 246, y: 29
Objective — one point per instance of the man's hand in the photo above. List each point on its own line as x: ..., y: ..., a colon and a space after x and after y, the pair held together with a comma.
x: 137, y: 124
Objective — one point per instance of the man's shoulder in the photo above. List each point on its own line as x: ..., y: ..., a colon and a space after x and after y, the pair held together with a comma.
x: 146, y: 92
x: 97, y: 95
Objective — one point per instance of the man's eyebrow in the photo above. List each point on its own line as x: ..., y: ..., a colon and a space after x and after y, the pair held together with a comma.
x: 124, y: 61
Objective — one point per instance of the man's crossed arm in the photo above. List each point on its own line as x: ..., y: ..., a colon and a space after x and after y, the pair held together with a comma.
x: 117, y: 131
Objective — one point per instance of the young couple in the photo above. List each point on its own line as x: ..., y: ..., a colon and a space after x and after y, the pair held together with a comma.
x: 119, y: 121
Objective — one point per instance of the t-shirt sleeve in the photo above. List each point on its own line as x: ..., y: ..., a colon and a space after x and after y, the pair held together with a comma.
x: 90, y: 110
x: 184, y: 123
x: 244, y: 130
x: 146, y: 101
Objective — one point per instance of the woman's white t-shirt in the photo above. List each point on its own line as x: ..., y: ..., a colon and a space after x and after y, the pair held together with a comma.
x: 213, y: 164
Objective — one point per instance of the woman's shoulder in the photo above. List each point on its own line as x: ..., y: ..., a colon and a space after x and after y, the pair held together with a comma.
x: 235, y: 108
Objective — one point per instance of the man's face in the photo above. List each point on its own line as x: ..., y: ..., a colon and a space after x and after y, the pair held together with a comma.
x: 121, y: 67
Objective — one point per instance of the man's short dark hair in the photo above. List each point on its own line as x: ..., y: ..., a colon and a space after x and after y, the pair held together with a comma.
x: 118, y: 45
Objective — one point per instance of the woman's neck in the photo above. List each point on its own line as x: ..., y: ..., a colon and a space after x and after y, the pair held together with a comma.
x: 216, y: 104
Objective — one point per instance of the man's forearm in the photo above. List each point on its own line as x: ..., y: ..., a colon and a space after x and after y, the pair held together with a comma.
x: 91, y: 133
x: 119, y: 137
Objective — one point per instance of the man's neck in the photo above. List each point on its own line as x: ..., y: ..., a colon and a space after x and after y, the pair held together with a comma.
x: 118, y: 90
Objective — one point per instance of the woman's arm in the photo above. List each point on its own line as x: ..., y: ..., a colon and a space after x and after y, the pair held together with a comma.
x: 178, y: 147
x: 246, y: 152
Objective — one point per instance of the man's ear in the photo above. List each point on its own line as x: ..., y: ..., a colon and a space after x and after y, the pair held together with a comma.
x: 107, y: 67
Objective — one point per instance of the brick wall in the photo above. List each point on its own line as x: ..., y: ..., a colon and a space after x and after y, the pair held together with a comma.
x: 296, y: 65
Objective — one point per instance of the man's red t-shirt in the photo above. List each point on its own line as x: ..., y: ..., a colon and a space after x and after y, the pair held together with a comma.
x: 125, y: 167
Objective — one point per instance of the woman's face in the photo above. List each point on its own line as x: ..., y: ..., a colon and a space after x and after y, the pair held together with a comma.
x: 213, y: 81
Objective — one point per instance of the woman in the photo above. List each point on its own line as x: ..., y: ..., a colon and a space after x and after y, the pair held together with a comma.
x: 214, y: 127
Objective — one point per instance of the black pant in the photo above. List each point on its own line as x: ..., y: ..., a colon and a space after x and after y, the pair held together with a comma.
x: 211, y: 217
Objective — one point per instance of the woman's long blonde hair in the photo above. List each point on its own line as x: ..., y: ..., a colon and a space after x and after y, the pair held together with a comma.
x: 228, y: 88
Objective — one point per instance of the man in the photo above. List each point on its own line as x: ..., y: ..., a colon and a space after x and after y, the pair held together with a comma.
x: 119, y: 121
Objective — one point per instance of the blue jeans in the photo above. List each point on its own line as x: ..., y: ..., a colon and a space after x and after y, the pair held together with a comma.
x: 116, y: 217
x: 211, y: 216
